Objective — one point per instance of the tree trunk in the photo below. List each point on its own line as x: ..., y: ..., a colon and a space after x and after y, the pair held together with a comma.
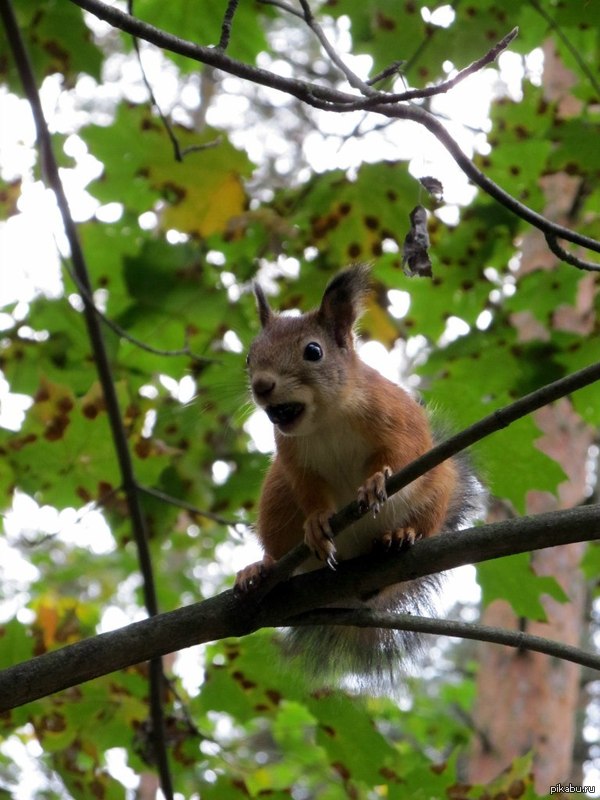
x: 528, y: 701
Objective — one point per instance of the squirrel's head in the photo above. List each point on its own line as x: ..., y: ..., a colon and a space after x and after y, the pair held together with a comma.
x: 299, y: 365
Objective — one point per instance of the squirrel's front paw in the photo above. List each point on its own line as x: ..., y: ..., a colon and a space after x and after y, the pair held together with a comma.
x: 318, y: 537
x: 253, y: 575
x: 372, y: 494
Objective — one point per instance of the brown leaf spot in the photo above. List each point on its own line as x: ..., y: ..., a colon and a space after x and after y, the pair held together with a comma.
x: 354, y: 250
x: 345, y: 209
x: 143, y: 448
x: 90, y: 410
x: 21, y: 441
x: 56, y: 427
x: 516, y: 789
x: 372, y: 223
x: 274, y: 696
x: 173, y: 192
x: 384, y: 23
x: 42, y: 395
x: 65, y: 404
x: 342, y: 770
x: 244, y: 682
x: 105, y: 492
x: 83, y: 494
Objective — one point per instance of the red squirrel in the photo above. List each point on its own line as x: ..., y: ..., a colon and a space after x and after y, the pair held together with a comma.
x: 341, y: 429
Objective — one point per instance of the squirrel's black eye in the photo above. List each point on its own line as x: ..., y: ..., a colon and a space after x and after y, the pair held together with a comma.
x: 313, y: 352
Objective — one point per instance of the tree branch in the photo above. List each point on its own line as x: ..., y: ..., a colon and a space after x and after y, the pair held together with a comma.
x: 367, y: 618
x: 441, y: 88
x: 94, y: 329
x: 568, y: 258
x: 224, y: 615
x: 333, y: 100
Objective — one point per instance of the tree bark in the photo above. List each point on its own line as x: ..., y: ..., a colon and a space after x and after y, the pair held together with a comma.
x: 528, y: 701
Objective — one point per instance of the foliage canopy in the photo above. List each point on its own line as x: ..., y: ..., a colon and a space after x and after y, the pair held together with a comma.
x: 171, y: 250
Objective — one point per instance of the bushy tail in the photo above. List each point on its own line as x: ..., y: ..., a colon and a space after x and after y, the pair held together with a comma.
x: 370, y: 656
x: 373, y: 657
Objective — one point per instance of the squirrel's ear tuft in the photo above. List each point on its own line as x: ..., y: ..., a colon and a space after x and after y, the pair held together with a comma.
x: 265, y: 313
x: 343, y: 302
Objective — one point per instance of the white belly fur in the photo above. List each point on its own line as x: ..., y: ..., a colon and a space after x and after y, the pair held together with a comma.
x: 342, y: 462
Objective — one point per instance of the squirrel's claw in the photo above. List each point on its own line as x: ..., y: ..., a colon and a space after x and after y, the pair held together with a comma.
x: 372, y: 494
x: 318, y: 536
x: 393, y: 541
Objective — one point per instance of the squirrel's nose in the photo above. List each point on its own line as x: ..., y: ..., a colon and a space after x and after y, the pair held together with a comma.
x: 262, y: 386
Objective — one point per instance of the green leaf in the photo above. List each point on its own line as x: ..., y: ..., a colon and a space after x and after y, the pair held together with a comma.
x: 202, y: 192
x: 385, y: 29
x: 480, y: 373
x: 512, y: 579
x: 57, y: 39
x: 182, y: 19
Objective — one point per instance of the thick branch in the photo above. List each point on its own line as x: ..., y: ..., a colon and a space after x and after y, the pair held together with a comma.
x: 224, y: 616
x: 330, y: 99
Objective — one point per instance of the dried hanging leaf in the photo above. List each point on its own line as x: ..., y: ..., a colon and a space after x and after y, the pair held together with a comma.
x: 415, y: 258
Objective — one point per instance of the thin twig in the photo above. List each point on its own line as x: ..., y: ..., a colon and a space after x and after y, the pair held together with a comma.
x: 442, y: 88
x: 227, y: 23
x: 349, y: 74
x: 284, y: 7
x: 183, y: 504
x: 138, y: 521
x: 121, y: 332
x: 569, y: 258
x: 332, y: 100
x: 394, y: 68
x: 367, y: 618
x: 177, y: 154
x: 568, y: 44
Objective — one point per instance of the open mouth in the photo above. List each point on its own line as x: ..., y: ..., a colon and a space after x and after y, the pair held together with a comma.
x: 284, y: 414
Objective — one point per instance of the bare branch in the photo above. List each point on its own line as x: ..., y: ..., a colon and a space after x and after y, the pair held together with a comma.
x: 223, y: 616
x: 116, y: 328
x: 333, y: 100
x: 568, y: 44
x: 394, y: 68
x: 177, y: 154
x: 367, y: 618
x: 350, y: 76
x: 568, y: 258
x: 227, y: 23
x: 442, y: 88
x: 192, y: 509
